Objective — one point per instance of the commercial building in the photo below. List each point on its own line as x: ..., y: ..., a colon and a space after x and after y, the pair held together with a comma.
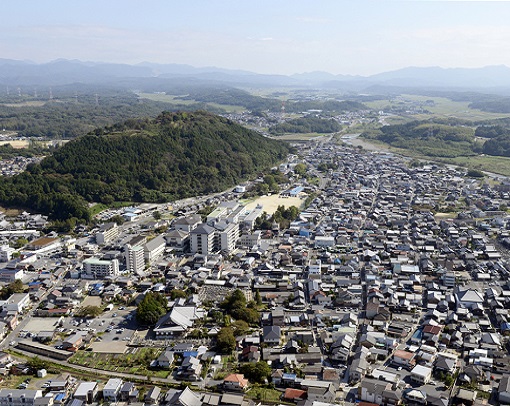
x: 107, y: 232
x: 99, y: 268
x: 154, y: 249
x: 135, y: 261
x: 203, y: 240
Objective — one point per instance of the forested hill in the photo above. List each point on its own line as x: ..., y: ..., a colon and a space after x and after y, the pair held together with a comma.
x: 173, y: 156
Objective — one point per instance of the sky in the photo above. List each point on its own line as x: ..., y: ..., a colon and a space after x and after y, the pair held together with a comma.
x: 355, y: 37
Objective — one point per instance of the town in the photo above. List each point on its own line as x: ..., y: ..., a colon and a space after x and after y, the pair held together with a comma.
x: 390, y: 287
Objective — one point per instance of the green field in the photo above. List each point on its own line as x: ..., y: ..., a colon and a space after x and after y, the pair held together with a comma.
x: 487, y: 163
x: 299, y: 136
x: 168, y: 98
x: 136, y: 362
x: 443, y: 107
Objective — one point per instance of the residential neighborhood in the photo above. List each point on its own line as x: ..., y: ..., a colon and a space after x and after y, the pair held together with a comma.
x: 390, y: 287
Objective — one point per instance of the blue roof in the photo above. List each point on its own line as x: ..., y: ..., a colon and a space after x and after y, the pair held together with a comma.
x: 59, y: 397
x: 190, y: 354
x: 289, y: 376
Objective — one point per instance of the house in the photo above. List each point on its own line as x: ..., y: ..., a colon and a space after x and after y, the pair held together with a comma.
x: 152, y: 396
x: 73, y: 342
x: 403, y: 358
x: 111, y: 390
x: 294, y: 395
x: 86, y: 392
x: 128, y: 392
x: 271, y: 335
x: 421, y: 374
x: 165, y: 359
x: 504, y: 390
x: 19, y: 397
x: 319, y: 390
x: 379, y: 392
x: 235, y: 382
x: 187, y: 397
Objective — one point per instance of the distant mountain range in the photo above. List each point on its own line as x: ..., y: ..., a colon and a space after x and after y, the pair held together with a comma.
x: 65, y: 72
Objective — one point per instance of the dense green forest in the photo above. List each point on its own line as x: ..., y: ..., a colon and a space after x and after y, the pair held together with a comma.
x: 491, y: 131
x: 431, y: 138
x: 498, y: 146
x: 308, y: 124
x: 69, y: 117
x: 173, y: 156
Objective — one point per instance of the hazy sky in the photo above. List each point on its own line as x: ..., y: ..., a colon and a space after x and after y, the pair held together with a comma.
x: 265, y: 36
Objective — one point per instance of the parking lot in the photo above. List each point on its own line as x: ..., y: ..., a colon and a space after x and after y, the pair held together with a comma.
x: 114, y: 328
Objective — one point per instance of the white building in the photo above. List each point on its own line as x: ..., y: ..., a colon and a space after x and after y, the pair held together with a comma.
x: 107, y: 232
x: 111, y: 389
x: 135, y: 261
x: 6, y: 253
x: 228, y: 237
x: 98, y: 268
x: 17, y: 302
x: 421, y: 374
x: 19, y: 397
x: 154, y: 249
x: 250, y: 240
x: 203, y: 240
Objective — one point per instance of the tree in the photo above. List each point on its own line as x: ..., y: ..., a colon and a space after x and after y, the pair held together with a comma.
x: 177, y: 293
x: 240, y: 327
x: 20, y: 242
x: 37, y: 363
x: 258, y: 372
x: 151, y: 308
x: 88, y: 311
x: 156, y: 215
x: 225, y: 341
x: 118, y: 219
x: 300, y: 169
x: 258, y: 298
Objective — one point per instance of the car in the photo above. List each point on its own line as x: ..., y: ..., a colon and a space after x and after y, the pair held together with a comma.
x: 114, y: 315
x: 399, y: 368
x: 121, y: 308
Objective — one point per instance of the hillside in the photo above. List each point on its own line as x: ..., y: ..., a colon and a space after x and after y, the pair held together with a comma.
x: 173, y: 156
x: 437, y: 138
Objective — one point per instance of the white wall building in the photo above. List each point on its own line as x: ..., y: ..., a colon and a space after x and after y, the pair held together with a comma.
x: 135, y: 261
x: 98, y: 268
x: 203, y: 240
x: 111, y: 389
x: 107, y: 232
x: 229, y: 237
x: 154, y: 249
x: 6, y: 253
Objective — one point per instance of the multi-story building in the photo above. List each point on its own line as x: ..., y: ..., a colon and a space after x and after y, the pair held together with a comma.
x: 154, y: 249
x: 112, y: 389
x: 228, y: 237
x: 135, y: 261
x: 19, y: 397
x: 99, y: 268
x: 6, y: 253
x: 203, y: 240
x: 107, y: 232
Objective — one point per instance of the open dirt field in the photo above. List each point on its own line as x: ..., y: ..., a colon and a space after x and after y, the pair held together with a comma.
x: 18, y: 144
x: 271, y: 203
